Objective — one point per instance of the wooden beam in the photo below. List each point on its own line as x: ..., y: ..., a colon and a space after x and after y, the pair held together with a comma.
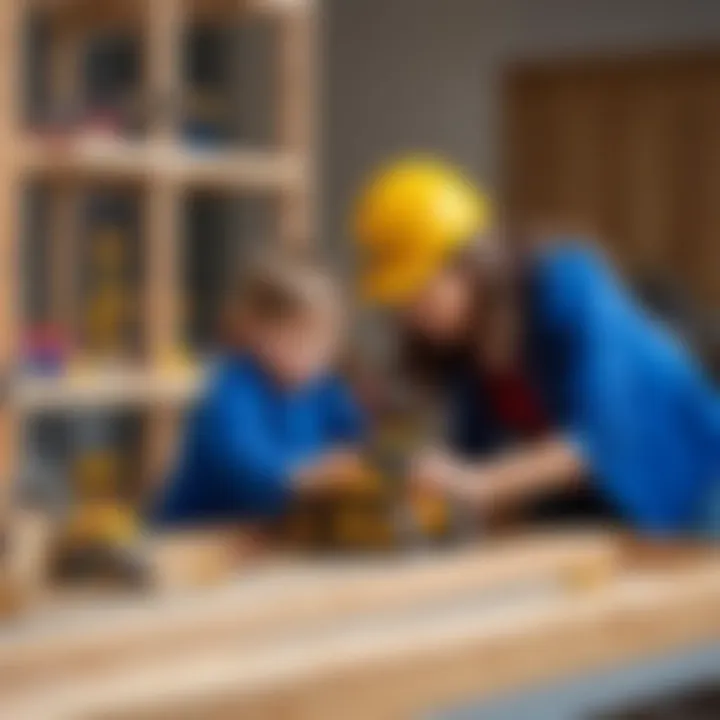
x: 201, y: 558
x: 163, y: 279
x: 164, y: 35
x: 300, y: 596
x: 296, y: 105
x: 66, y: 94
x: 164, y: 283
x: 431, y: 665
x: 84, y: 15
x: 12, y: 16
x: 24, y: 561
x: 165, y: 25
x: 117, y: 389
x: 63, y: 230
x: 252, y: 171
x: 65, y: 67
x: 403, y: 666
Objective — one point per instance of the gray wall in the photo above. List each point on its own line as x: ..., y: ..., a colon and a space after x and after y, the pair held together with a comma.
x: 425, y: 74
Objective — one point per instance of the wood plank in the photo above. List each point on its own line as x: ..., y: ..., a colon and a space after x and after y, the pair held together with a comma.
x: 300, y: 596
x: 164, y: 34
x: 165, y: 22
x: 163, y: 317
x: 12, y: 15
x: 85, y: 15
x: 88, y: 158
x: 138, y: 161
x: 64, y: 229
x: 163, y: 279
x: 394, y: 668
x: 202, y: 558
x: 24, y: 561
x: 296, y: 132
x: 123, y: 388
x: 241, y: 169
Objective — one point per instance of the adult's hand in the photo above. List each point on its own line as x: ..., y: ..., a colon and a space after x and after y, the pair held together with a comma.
x: 512, y: 478
x: 435, y: 470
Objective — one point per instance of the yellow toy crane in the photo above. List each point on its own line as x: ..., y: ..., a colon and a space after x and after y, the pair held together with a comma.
x: 100, y: 538
x: 110, y: 306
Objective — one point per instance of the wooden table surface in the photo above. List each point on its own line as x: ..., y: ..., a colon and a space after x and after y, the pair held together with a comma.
x: 384, y: 638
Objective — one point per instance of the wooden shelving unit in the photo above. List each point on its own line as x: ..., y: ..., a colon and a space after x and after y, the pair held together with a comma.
x: 161, y: 168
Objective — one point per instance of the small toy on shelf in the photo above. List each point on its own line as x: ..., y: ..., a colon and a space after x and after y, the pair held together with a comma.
x: 100, y: 538
x: 102, y: 123
x: 67, y: 130
x: 111, y: 306
x: 206, y: 120
x: 179, y: 361
x: 46, y: 351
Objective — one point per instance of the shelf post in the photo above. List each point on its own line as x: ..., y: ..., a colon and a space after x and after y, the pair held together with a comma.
x: 296, y: 131
x: 164, y: 36
x: 66, y: 96
x: 12, y: 15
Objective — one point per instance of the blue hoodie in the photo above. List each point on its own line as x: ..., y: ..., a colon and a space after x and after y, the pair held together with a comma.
x: 641, y: 412
x: 246, y: 437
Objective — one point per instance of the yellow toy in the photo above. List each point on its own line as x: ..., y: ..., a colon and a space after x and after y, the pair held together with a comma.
x: 379, y: 511
x: 109, y: 255
x: 111, y: 306
x: 101, y: 534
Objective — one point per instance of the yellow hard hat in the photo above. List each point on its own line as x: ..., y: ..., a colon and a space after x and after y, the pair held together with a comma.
x: 408, y: 220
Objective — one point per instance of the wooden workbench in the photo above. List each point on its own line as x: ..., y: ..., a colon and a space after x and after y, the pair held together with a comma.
x: 382, y: 638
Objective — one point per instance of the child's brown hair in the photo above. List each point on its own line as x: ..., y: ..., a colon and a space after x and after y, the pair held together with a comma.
x: 278, y: 288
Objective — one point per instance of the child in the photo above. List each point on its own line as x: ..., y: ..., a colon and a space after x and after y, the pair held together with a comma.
x: 273, y: 422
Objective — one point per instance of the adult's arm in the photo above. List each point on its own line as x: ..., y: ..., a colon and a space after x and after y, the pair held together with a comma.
x: 519, y: 475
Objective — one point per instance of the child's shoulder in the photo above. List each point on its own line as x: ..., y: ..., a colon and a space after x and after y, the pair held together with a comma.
x: 332, y: 382
x: 228, y: 377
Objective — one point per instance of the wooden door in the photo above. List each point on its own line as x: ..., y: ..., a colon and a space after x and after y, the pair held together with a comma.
x: 628, y: 149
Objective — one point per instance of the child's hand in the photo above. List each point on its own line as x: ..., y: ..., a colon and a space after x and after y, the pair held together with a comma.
x: 343, y: 467
x: 334, y: 471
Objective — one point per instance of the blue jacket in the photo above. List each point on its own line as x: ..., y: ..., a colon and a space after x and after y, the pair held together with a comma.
x: 623, y: 389
x: 245, y: 438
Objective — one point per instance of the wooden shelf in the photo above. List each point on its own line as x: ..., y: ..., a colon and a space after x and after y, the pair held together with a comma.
x: 94, y: 14
x: 110, y: 159
x: 159, y: 168
x: 237, y: 169
x: 116, y: 389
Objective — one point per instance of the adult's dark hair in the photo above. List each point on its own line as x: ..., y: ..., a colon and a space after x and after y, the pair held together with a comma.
x: 494, y: 283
